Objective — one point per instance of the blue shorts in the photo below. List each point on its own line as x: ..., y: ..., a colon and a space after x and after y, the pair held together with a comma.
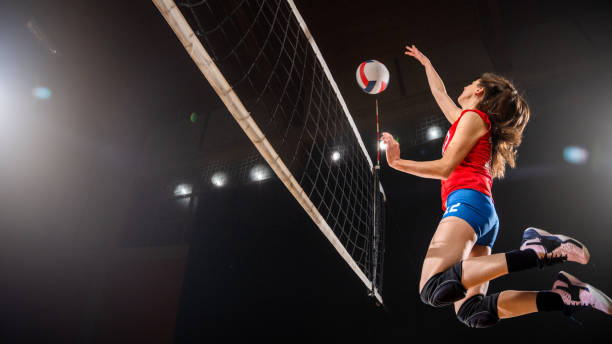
x: 478, y: 210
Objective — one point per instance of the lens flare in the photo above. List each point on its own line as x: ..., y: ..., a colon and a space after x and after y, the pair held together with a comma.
x: 42, y: 93
x: 575, y: 155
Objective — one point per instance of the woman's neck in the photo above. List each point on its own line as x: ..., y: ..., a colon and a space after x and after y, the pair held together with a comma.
x: 470, y: 104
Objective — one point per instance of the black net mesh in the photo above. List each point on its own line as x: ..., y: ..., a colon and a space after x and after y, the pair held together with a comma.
x: 430, y: 128
x: 260, y: 48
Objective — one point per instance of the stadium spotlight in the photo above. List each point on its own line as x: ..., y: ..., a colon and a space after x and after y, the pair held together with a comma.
x: 335, y: 156
x: 183, y: 190
x: 219, y: 179
x: 260, y: 173
x: 434, y: 133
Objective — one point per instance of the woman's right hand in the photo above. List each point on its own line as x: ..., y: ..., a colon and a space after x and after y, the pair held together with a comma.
x: 414, y: 52
x: 392, y: 149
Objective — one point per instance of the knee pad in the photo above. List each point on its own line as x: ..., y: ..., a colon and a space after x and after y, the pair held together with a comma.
x: 444, y: 288
x: 479, y: 311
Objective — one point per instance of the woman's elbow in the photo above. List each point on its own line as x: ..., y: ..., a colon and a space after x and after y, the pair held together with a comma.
x: 446, y: 172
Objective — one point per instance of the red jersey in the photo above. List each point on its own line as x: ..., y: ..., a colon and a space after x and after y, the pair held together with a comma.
x: 473, y: 172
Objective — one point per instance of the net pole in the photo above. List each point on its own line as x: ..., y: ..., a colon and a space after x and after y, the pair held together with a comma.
x: 377, y: 136
x: 376, y: 210
x: 375, y: 230
x: 211, y: 72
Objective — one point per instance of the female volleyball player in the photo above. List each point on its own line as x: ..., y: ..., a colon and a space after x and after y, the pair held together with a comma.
x: 486, y: 131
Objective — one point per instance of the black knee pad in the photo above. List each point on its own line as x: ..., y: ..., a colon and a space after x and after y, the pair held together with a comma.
x: 479, y: 311
x: 444, y: 288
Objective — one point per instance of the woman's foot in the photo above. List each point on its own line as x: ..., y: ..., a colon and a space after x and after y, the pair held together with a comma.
x: 578, y: 295
x: 553, y: 248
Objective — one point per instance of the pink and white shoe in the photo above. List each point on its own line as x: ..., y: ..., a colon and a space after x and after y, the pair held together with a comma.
x: 554, y: 248
x: 578, y: 295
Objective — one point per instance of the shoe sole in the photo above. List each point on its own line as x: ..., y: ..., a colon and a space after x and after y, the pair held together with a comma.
x: 596, y: 293
x: 564, y: 238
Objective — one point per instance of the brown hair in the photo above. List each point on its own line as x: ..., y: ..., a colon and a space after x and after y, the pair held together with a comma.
x: 509, y: 114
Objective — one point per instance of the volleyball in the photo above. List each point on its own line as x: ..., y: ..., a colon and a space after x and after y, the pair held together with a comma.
x: 372, y: 76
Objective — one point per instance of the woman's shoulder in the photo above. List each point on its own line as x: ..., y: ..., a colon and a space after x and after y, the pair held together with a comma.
x: 480, y: 113
x: 474, y: 114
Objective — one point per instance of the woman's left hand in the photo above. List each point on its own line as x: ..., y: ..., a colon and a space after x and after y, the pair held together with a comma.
x: 393, y: 150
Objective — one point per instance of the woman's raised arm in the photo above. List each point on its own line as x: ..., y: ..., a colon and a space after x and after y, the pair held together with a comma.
x: 448, y: 106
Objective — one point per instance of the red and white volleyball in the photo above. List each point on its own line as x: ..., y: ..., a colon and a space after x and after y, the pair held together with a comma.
x: 372, y: 76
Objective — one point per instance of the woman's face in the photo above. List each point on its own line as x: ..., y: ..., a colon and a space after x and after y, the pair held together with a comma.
x: 470, y: 91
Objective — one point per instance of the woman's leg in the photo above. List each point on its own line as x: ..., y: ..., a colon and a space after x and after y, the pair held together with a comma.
x: 539, y: 248
x: 479, y: 269
x: 485, y: 311
x: 451, y: 243
x: 477, y: 251
x: 568, y: 294
x: 477, y: 309
x: 513, y: 303
x: 510, y: 303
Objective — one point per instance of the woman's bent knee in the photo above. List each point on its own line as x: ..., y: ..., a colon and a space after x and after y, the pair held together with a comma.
x: 479, y: 311
x: 444, y: 288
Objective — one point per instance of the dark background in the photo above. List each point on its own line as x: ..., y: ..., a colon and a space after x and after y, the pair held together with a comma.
x: 96, y: 248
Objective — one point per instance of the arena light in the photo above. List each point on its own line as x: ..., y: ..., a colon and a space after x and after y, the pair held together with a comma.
x: 260, y: 173
x: 183, y: 190
x: 335, y: 156
x: 219, y: 179
x: 434, y: 133
x: 575, y: 155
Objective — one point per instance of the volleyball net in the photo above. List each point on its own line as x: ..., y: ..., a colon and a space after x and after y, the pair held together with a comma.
x: 263, y: 63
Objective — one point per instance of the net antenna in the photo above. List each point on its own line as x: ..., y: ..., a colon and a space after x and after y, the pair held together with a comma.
x: 264, y: 64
